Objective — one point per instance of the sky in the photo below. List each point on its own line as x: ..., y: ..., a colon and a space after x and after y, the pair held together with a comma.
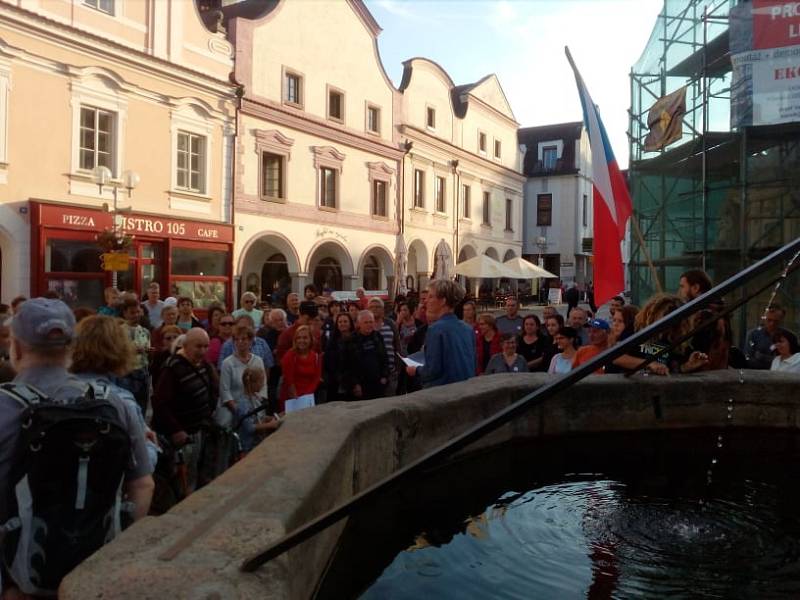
x: 522, y: 41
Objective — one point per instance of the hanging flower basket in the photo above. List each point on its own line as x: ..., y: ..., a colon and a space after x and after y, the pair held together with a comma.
x: 111, y: 241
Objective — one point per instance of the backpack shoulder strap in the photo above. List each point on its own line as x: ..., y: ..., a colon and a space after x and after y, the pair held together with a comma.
x: 99, y: 390
x: 25, y: 395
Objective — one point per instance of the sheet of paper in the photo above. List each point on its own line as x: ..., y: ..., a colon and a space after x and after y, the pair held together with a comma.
x: 299, y: 403
x: 414, y: 360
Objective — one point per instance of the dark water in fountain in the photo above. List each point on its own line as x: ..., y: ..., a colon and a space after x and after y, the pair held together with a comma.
x: 605, y: 516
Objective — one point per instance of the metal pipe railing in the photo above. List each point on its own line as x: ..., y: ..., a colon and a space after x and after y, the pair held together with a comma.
x: 522, y: 405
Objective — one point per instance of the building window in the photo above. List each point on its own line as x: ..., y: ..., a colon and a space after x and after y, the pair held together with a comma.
x: 482, y: 142
x: 549, y: 158
x: 335, y: 105
x: 293, y: 88
x: 327, y: 186
x: 373, y: 119
x: 272, y: 176
x: 96, y: 141
x: 585, y: 210
x: 106, y: 6
x: 497, y: 149
x: 379, y: 198
x: 419, y: 188
x: 440, y: 194
x: 544, y: 210
x: 465, y: 192
x: 487, y: 208
x: 430, y: 118
x: 509, y: 214
x: 191, y: 162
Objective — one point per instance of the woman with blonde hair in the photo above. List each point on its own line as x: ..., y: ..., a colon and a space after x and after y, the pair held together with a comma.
x: 102, y: 352
x: 301, y: 366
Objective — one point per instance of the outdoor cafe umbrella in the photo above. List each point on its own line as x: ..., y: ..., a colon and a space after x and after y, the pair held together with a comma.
x: 485, y: 267
x: 400, y: 266
x: 442, y: 261
x: 524, y: 269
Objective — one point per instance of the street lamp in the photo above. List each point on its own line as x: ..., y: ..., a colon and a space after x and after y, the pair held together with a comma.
x: 541, y: 241
x: 130, y: 179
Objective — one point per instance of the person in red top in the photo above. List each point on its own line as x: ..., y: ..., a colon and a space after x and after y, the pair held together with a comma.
x: 598, y: 341
x: 487, y: 341
x: 362, y: 301
x: 301, y: 367
x: 308, y: 310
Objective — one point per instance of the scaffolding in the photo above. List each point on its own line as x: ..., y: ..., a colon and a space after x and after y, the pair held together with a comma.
x: 719, y: 198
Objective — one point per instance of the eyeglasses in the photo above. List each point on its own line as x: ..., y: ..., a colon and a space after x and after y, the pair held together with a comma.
x: 226, y: 322
x: 249, y: 301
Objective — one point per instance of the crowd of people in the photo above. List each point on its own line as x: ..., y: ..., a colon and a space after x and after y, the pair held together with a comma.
x: 195, y: 392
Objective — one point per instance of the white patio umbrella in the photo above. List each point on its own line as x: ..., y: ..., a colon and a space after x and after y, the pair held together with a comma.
x: 524, y: 269
x: 485, y: 267
x: 443, y: 260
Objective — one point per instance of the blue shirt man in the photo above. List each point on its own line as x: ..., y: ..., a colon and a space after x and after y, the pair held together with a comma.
x: 449, y: 343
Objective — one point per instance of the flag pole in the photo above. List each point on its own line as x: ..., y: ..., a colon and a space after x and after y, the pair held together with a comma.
x: 638, y: 233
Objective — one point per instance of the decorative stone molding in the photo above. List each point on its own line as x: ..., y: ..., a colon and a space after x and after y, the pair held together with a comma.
x: 273, y: 141
x: 380, y: 170
x: 327, y: 156
x: 281, y: 114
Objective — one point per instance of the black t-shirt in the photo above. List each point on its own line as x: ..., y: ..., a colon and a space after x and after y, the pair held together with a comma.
x: 673, y: 358
x: 549, y: 351
x: 487, y: 352
x: 531, y: 351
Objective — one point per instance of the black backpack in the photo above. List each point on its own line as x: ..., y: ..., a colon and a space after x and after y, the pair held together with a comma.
x: 65, y: 486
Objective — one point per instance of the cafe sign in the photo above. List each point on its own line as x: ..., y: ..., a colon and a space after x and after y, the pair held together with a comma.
x: 70, y: 217
x: 115, y: 261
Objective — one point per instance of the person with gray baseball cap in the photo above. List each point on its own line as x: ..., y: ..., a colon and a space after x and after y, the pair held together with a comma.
x: 42, y: 331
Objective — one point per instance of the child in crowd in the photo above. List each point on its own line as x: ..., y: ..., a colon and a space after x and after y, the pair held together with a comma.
x: 255, y: 427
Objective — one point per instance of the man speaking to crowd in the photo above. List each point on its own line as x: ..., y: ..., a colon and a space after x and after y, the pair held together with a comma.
x: 449, y: 343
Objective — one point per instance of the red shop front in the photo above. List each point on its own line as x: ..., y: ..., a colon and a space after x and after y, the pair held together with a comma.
x: 186, y: 257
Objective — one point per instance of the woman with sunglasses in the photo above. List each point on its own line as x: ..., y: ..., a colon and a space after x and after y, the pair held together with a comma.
x: 222, y: 335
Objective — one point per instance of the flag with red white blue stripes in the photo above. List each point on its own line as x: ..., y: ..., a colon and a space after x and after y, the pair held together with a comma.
x: 611, y: 201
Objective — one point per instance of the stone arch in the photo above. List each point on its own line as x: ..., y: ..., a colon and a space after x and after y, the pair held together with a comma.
x: 509, y: 255
x: 491, y: 252
x: 467, y: 251
x: 385, y: 262
x: 330, y: 265
x: 418, y: 269
x: 260, y: 268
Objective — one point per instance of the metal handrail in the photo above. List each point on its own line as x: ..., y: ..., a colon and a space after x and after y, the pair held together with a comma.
x: 502, y: 417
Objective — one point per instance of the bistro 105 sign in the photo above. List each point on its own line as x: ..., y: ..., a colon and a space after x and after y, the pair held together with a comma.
x: 133, y: 224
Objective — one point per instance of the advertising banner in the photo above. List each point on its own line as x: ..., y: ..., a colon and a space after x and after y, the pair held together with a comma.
x: 765, y: 53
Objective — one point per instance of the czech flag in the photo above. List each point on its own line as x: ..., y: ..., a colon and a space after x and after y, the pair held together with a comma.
x: 611, y: 201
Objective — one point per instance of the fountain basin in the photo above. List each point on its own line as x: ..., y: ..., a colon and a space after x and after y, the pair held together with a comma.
x: 321, y: 457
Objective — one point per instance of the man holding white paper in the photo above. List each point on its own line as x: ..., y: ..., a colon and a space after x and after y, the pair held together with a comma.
x: 449, y: 353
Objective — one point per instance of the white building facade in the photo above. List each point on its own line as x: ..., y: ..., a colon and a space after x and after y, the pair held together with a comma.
x: 316, y: 191
x: 558, y: 200
x: 462, y: 186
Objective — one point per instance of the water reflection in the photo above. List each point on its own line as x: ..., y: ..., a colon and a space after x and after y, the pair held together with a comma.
x: 626, y: 517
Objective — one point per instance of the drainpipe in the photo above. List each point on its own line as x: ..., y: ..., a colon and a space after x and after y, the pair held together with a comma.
x: 457, y: 179
x: 407, y: 146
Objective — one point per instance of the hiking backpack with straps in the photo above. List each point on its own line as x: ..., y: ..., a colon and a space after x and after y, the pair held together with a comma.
x: 65, y: 485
